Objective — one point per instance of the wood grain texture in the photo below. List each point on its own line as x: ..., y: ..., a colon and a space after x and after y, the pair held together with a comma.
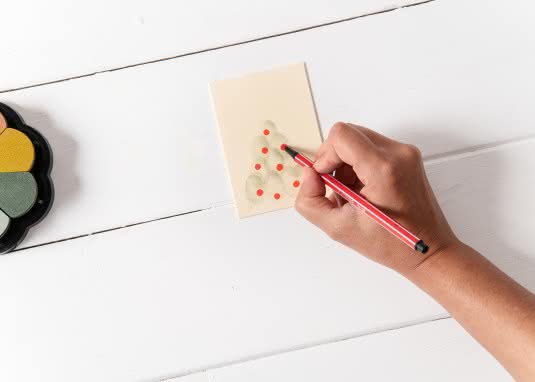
x: 191, y: 292
x: 58, y: 39
x: 125, y: 141
x: 438, y: 351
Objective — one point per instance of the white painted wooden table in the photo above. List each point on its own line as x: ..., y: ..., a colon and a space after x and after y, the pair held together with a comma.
x: 135, y: 277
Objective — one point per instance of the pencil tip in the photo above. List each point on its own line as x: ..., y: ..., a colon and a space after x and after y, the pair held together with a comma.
x: 290, y: 151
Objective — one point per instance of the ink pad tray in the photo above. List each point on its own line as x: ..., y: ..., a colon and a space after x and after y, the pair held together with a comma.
x: 26, y: 190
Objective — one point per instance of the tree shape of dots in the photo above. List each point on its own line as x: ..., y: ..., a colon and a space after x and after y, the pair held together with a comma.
x: 273, y: 174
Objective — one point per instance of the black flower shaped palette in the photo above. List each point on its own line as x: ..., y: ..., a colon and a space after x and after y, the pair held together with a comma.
x: 26, y: 191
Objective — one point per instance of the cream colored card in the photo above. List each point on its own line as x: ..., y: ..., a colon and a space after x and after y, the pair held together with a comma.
x: 257, y: 114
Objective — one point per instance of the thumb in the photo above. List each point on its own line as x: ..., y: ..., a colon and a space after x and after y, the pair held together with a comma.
x: 311, y: 201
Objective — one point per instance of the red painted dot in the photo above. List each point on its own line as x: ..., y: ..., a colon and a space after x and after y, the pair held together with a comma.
x: 280, y: 167
x: 283, y: 146
x: 259, y: 192
x: 257, y: 166
x: 277, y: 196
x: 296, y: 184
x: 264, y: 150
x: 266, y: 132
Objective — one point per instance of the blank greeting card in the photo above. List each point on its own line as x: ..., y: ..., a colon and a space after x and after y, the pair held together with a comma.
x: 257, y: 115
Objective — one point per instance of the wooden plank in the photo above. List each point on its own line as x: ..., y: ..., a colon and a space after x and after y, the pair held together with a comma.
x: 163, y: 298
x: 186, y: 293
x: 436, y: 351
x: 485, y: 200
x: 57, y: 40
x: 125, y: 141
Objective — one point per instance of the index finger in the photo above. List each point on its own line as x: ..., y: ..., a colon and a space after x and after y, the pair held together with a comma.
x: 347, y: 144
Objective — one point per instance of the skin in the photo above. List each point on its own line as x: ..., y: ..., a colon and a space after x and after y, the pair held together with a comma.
x: 492, y: 307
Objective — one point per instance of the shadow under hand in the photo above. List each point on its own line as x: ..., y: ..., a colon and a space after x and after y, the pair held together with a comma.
x: 486, y: 197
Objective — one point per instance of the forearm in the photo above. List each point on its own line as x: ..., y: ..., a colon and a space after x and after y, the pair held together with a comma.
x: 493, y: 308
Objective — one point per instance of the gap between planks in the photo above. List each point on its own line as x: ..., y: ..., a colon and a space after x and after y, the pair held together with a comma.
x: 229, y: 45
x: 476, y: 150
x: 378, y: 330
x: 117, y: 228
x: 429, y: 160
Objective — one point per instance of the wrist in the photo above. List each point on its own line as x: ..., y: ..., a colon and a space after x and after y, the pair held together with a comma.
x: 438, y: 260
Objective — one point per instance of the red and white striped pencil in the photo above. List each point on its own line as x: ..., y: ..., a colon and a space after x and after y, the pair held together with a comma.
x: 359, y: 201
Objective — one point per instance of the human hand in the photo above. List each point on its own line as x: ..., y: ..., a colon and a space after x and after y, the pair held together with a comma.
x: 390, y: 175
